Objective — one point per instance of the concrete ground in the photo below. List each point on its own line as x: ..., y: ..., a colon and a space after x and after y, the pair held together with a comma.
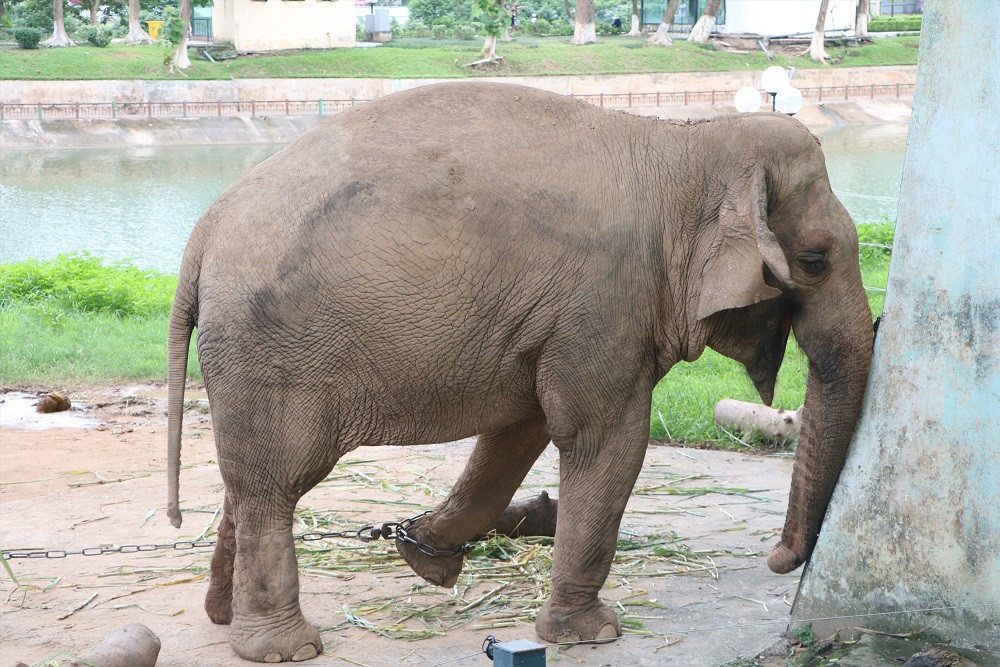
x: 701, y: 597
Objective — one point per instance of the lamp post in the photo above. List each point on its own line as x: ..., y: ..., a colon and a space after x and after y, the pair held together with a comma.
x: 774, y: 79
x: 785, y: 98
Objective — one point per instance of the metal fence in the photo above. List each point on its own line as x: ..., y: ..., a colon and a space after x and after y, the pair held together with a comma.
x: 818, y: 93
x: 99, y: 110
x: 106, y: 110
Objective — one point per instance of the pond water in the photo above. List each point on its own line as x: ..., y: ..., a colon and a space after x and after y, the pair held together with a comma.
x: 141, y: 203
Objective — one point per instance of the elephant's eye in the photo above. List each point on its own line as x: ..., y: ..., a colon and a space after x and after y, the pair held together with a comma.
x: 813, y: 263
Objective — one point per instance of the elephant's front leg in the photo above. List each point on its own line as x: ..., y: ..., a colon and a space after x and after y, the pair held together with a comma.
x: 598, y: 466
x: 496, y: 468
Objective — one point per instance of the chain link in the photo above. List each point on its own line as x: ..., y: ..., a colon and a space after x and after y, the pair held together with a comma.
x: 366, y: 533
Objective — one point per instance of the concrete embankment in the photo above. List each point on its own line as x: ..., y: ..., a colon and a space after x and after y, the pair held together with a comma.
x: 141, y: 130
x: 233, y: 90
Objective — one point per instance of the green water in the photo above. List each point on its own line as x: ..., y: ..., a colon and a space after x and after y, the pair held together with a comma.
x: 140, y: 204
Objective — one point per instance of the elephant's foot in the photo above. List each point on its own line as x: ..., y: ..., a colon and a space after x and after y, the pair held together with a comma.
x: 438, y: 570
x: 219, y: 603
x: 783, y: 560
x: 596, y: 623
x: 271, y: 640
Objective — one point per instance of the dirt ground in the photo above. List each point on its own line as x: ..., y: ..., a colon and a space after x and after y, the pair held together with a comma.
x: 695, y: 591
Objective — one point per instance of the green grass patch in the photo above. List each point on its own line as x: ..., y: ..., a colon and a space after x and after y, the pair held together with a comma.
x: 435, y: 58
x: 77, y: 319
x: 903, y: 22
x: 87, y: 284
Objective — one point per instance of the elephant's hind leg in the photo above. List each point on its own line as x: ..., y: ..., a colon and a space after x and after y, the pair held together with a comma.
x: 273, y: 448
x: 496, y: 468
x: 268, y: 625
x: 219, y: 599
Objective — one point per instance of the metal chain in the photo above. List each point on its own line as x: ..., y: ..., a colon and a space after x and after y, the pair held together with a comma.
x: 367, y: 533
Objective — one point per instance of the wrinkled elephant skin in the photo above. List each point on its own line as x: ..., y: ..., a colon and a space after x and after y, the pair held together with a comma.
x: 492, y: 260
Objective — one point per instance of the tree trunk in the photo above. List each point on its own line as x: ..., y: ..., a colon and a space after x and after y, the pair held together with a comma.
x: 816, y: 50
x: 59, y: 36
x: 136, y: 35
x: 585, y: 31
x: 180, y: 59
x: 569, y: 14
x: 489, y: 51
x: 635, y: 30
x: 94, y: 6
x: 662, y: 34
x: 703, y: 28
x: 861, y: 20
x: 2, y: 10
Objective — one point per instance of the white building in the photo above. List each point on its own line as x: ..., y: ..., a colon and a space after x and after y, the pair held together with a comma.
x: 269, y: 25
x: 771, y: 18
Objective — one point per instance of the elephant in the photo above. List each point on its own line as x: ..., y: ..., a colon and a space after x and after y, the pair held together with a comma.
x: 492, y: 260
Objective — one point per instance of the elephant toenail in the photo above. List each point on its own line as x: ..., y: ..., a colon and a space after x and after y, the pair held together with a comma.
x: 305, y: 652
x: 272, y: 657
x: 608, y: 631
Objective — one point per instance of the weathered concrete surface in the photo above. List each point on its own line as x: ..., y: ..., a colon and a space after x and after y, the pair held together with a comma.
x: 717, y: 501
x: 915, y: 521
x: 52, y: 92
x: 141, y: 131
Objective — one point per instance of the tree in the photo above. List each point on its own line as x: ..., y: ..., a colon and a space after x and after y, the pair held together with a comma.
x: 861, y: 20
x: 662, y: 34
x: 429, y: 11
x: 584, y: 30
x: 635, y: 27
x: 816, y: 50
x: 703, y: 28
x: 495, y: 20
x: 136, y: 35
x: 176, y: 33
x: 59, y: 36
x: 94, y: 6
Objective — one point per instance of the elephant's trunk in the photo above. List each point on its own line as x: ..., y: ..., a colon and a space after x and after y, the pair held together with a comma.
x: 838, y: 372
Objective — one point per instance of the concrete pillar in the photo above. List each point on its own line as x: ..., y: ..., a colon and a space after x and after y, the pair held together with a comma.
x: 915, y: 521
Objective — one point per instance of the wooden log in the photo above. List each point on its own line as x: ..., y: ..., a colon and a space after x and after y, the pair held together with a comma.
x: 132, y: 645
x: 749, y: 417
x: 529, y: 516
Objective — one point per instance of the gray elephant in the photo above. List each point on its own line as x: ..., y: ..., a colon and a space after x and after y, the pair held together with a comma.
x: 518, y: 266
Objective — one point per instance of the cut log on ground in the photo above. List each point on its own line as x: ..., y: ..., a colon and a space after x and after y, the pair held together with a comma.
x: 750, y: 417
x: 132, y: 645
x: 529, y: 516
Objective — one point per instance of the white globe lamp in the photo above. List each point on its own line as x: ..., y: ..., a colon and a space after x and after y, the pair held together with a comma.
x: 747, y: 99
x: 774, y: 79
x: 788, y: 100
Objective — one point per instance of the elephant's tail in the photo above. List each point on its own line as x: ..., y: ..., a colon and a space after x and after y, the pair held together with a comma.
x: 183, y: 316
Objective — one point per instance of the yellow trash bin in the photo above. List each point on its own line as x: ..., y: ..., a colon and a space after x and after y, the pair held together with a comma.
x: 154, y: 28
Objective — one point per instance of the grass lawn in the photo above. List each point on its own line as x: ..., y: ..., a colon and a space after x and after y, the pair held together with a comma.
x: 75, y: 321
x: 434, y: 58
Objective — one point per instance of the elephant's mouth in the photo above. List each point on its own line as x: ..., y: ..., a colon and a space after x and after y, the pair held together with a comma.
x: 764, y: 369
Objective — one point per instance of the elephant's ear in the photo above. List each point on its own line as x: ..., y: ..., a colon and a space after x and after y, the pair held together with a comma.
x: 733, y: 275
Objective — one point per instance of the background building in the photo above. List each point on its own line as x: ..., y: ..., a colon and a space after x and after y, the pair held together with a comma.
x: 268, y: 25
